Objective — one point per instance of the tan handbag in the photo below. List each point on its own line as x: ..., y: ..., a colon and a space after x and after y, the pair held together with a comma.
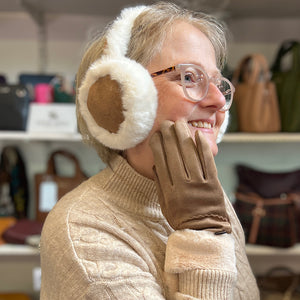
x: 50, y: 186
x: 255, y: 96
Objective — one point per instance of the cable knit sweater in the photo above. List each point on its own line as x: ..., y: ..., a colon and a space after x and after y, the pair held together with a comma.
x: 108, y: 239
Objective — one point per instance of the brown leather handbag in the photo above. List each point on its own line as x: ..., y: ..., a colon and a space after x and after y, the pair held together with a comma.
x: 255, y: 96
x: 51, y: 186
x: 268, y: 206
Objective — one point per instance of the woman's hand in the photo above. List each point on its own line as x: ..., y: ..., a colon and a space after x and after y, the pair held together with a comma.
x: 190, y: 194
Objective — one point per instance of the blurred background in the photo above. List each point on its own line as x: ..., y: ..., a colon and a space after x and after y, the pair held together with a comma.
x: 50, y: 35
x: 47, y: 38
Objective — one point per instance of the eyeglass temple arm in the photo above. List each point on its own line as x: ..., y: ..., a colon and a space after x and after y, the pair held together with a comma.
x: 170, y: 69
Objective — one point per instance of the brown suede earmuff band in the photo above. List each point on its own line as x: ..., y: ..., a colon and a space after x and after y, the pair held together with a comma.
x: 105, y: 103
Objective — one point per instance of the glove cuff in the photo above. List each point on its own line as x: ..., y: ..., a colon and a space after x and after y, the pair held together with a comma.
x: 189, y: 250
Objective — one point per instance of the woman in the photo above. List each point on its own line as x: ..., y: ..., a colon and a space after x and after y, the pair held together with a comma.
x: 155, y: 224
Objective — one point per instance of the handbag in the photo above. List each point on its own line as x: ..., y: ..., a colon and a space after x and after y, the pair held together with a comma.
x: 14, y: 106
x: 22, y: 232
x: 255, y: 96
x: 268, y: 206
x: 14, y: 188
x: 279, y: 283
x: 51, y: 186
x: 287, y: 81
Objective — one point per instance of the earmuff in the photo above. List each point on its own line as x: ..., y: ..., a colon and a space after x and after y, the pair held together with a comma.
x: 118, y: 98
x: 223, y: 127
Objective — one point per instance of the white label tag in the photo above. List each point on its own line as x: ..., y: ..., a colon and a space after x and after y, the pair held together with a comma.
x: 52, y: 118
x: 48, y: 195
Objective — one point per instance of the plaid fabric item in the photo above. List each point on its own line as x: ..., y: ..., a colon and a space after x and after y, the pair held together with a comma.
x: 267, y: 205
x: 276, y: 227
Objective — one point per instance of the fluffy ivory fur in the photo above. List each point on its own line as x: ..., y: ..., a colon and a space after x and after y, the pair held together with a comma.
x: 139, y: 104
x: 223, y: 127
x: 139, y: 95
x: 213, y: 253
x: 119, y: 35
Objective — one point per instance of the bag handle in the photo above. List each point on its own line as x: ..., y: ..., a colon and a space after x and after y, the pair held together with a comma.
x: 51, y: 168
x: 285, y: 48
x: 259, y: 69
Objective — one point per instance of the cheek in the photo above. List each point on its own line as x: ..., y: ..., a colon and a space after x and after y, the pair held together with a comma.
x: 171, y: 105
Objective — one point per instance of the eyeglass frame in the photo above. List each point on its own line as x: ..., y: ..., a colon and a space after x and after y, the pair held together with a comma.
x: 209, y: 79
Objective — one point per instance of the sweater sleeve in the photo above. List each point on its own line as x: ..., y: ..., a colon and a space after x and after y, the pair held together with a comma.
x: 204, y: 264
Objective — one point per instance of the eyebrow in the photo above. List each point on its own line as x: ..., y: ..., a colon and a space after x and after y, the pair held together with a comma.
x: 216, y: 72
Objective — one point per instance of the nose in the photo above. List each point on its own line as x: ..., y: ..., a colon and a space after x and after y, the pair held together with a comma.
x: 214, y: 98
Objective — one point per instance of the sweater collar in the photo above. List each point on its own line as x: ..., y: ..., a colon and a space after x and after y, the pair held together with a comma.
x: 132, y: 191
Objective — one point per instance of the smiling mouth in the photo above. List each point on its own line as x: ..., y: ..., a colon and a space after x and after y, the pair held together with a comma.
x: 201, y: 124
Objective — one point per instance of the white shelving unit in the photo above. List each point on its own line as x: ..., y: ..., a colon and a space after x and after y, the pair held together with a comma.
x: 12, y: 251
x: 51, y: 137
x: 238, y: 137
x: 264, y: 259
x: 281, y: 137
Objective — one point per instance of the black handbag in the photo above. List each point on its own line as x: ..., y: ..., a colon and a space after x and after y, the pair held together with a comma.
x: 14, y: 106
x: 14, y: 189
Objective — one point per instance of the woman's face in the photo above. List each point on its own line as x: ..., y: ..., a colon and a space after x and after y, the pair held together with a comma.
x: 185, y: 44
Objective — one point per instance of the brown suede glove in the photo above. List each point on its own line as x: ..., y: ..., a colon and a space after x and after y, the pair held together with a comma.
x: 190, y: 194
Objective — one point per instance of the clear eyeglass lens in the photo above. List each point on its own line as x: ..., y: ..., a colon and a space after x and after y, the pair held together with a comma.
x: 196, y: 84
x: 225, y: 89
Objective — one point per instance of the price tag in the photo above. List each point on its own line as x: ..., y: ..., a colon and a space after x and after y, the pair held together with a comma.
x: 48, y: 196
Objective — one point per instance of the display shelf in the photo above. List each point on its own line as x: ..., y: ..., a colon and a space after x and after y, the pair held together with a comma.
x: 18, y: 250
x: 263, y: 259
x: 39, y: 136
x: 242, y: 137
x: 257, y: 250
x: 239, y: 137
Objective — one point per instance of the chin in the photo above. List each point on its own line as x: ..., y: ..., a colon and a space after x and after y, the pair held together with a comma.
x: 214, y: 148
x: 210, y: 138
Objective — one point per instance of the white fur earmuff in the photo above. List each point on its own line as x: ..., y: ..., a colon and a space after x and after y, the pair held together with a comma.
x: 138, y: 92
x: 223, y: 127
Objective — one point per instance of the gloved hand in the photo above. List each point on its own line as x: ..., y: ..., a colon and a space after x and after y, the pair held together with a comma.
x: 190, y: 194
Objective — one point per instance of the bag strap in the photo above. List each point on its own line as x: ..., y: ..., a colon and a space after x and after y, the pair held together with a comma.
x: 51, y: 168
x: 251, y: 69
x: 284, y: 49
x: 259, y: 212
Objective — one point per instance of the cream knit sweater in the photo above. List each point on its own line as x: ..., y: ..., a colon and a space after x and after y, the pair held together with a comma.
x: 108, y: 239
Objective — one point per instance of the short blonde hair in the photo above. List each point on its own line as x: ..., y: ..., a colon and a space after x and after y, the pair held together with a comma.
x: 147, y: 37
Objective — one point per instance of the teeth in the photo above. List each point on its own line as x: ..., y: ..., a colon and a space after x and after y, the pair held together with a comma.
x: 200, y: 124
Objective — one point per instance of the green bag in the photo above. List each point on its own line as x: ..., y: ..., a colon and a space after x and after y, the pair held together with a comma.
x: 287, y: 81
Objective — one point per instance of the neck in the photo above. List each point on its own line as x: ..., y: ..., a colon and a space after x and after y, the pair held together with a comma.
x: 141, y: 160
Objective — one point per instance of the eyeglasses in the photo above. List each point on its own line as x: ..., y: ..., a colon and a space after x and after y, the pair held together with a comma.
x: 195, y: 83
